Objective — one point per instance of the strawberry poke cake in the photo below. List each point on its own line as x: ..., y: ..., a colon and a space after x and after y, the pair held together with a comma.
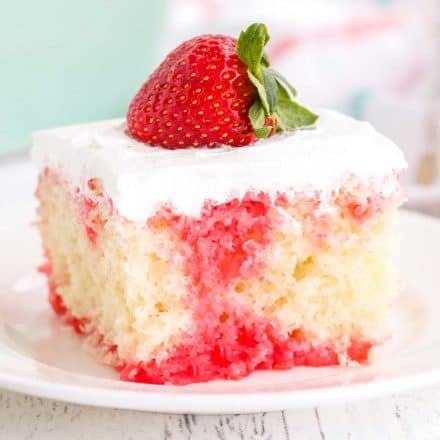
x: 221, y: 227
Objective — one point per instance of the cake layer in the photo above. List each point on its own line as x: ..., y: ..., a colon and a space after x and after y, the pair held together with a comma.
x: 254, y: 282
x: 138, y: 178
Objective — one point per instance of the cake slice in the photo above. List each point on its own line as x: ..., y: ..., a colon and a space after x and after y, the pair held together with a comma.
x: 180, y: 264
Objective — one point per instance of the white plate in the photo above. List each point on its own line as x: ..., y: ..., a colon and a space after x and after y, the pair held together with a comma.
x: 39, y: 356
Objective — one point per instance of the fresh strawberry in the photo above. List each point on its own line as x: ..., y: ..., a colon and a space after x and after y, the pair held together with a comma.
x: 215, y: 90
x: 200, y: 95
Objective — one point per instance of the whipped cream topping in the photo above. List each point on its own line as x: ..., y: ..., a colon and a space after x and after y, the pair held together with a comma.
x: 139, y: 178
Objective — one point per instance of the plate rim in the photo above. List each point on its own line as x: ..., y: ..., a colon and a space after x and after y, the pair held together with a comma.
x: 221, y: 403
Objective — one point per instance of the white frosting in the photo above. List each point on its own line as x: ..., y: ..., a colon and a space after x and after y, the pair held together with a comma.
x: 139, y: 178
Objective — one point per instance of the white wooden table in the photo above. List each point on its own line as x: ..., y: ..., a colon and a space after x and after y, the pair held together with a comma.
x: 410, y: 417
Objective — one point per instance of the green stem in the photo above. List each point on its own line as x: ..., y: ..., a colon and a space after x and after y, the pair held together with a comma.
x: 274, y: 104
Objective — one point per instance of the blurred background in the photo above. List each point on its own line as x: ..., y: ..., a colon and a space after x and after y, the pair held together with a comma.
x: 377, y: 60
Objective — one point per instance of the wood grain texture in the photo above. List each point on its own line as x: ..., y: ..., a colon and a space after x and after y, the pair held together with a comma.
x: 413, y: 416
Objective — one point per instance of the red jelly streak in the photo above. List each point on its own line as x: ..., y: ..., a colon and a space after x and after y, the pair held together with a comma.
x: 94, y: 212
x: 56, y: 301
x: 86, y: 217
x: 227, y: 243
x: 361, y: 212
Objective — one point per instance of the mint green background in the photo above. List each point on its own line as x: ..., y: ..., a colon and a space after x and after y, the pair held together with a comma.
x: 69, y: 61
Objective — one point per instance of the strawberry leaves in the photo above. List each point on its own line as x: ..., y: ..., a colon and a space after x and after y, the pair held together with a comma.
x: 274, y: 110
x: 271, y: 88
x: 261, y: 91
x: 257, y: 117
x: 290, y: 115
x: 250, y: 47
